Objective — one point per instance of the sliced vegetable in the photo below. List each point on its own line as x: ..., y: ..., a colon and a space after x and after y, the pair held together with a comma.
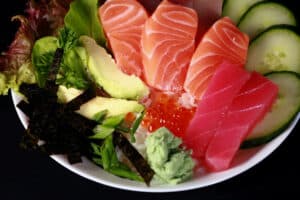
x: 137, y: 122
x: 263, y: 15
x: 101, y: 132
x: 113, y: 121
x: 113, y: 107
x: 106, y: 74
x: 236, y: 8
x: 284, y: 110
x: 134, y: 156
x: 104, y: 154
x: 275, y: 49
x: 99, y: 117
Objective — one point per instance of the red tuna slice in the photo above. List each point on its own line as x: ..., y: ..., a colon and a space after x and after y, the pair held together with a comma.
x: 168, y: 42
x: 123, y: 22
x: 224, y: 86
x: 247, y: 109
x: 222, y: 42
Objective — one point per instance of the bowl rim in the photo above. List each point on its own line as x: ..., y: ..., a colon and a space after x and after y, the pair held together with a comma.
x: 259, y: 154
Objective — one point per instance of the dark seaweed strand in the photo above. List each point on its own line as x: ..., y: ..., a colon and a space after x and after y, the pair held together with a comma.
x: 50, y: 83
x: 78, y: 101
x: 80, y: 123
x: 134, y: 156
x: 32, y: 92
x: 62, y: 130
x: 58, y: 55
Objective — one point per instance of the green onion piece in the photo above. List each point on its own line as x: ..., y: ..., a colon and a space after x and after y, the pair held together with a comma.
x: 99, y: 117
x: 95, y: 149
x: 136, y: 125
x: 101, y: 132
x: 113, y: 121
x: 126, y: 173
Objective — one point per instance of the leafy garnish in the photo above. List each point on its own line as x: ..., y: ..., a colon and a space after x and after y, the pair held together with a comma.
x: 101, y: 132
x: 67, y: 38
x: 136, y: 125
x: 41, y: 18
x: 99, y: 117
x: 105, y: 155
x: 72, y: 70
x: 83, y: 19
x: 113, y: 121
x: 134, y: 156
x: 42, y: 55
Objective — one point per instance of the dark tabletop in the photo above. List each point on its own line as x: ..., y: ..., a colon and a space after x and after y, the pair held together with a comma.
x: 29, y: 175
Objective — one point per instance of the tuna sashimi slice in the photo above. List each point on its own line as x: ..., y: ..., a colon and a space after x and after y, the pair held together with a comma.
x: 246, y: 110
x: 224, y: 86
x: 168, y: 42
x: 222, y: 42
x: 123, y: 22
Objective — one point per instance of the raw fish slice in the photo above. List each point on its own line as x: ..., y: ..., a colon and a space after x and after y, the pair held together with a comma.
x: 247, y: 109
x: 123, y: 22
x: 168, y: 42
x: 224, y: 86
x: 222, y: 42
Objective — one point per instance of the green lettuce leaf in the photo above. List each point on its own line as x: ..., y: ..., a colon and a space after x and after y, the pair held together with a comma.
x: 42, y: 56
x: 72, y: 69
x: 13, y: 80
x: 84, y: 20
x: 72, y: 72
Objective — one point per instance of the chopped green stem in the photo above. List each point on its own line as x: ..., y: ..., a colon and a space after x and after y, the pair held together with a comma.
x: 134, y: 156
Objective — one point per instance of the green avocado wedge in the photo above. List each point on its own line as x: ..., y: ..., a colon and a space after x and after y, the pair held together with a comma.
x: 103, y: 70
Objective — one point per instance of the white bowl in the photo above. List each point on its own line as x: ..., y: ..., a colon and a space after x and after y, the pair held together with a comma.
x: 242, y: 162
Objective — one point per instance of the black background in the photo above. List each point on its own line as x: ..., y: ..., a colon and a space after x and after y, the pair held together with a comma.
x: 28, y: 175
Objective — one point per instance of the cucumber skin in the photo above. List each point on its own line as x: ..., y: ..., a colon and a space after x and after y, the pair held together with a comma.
x: 264, y: 2
x: 224, y: 4
x: 292, y: 28
x: 295, y: 29
x: 289, y: 26
x: 267, y: 138
x: 254, y: 142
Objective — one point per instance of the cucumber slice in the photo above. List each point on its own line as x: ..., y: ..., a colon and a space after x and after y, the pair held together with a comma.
x: 234, y: 9
x: 283, y: 111
x: 275, y: 49
x: 263, y: 15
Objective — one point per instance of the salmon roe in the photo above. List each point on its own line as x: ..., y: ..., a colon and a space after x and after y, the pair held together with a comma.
x: 165, y: 110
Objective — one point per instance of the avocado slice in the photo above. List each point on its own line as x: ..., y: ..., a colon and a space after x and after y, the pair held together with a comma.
x: 113, y: 107
x: 104, y: 71
x: 65, y: 94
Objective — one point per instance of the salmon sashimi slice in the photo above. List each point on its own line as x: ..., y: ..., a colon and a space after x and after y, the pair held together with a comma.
x: 224, y: 86
x: 247, y: 109
x: 168, y: 42
x: 222, y: 42
x: 123, y: 22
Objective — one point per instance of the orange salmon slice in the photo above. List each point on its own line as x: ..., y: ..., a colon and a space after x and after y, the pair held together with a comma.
x: 223, y: 42
x: 123, y: 22
x: 168, y: 43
